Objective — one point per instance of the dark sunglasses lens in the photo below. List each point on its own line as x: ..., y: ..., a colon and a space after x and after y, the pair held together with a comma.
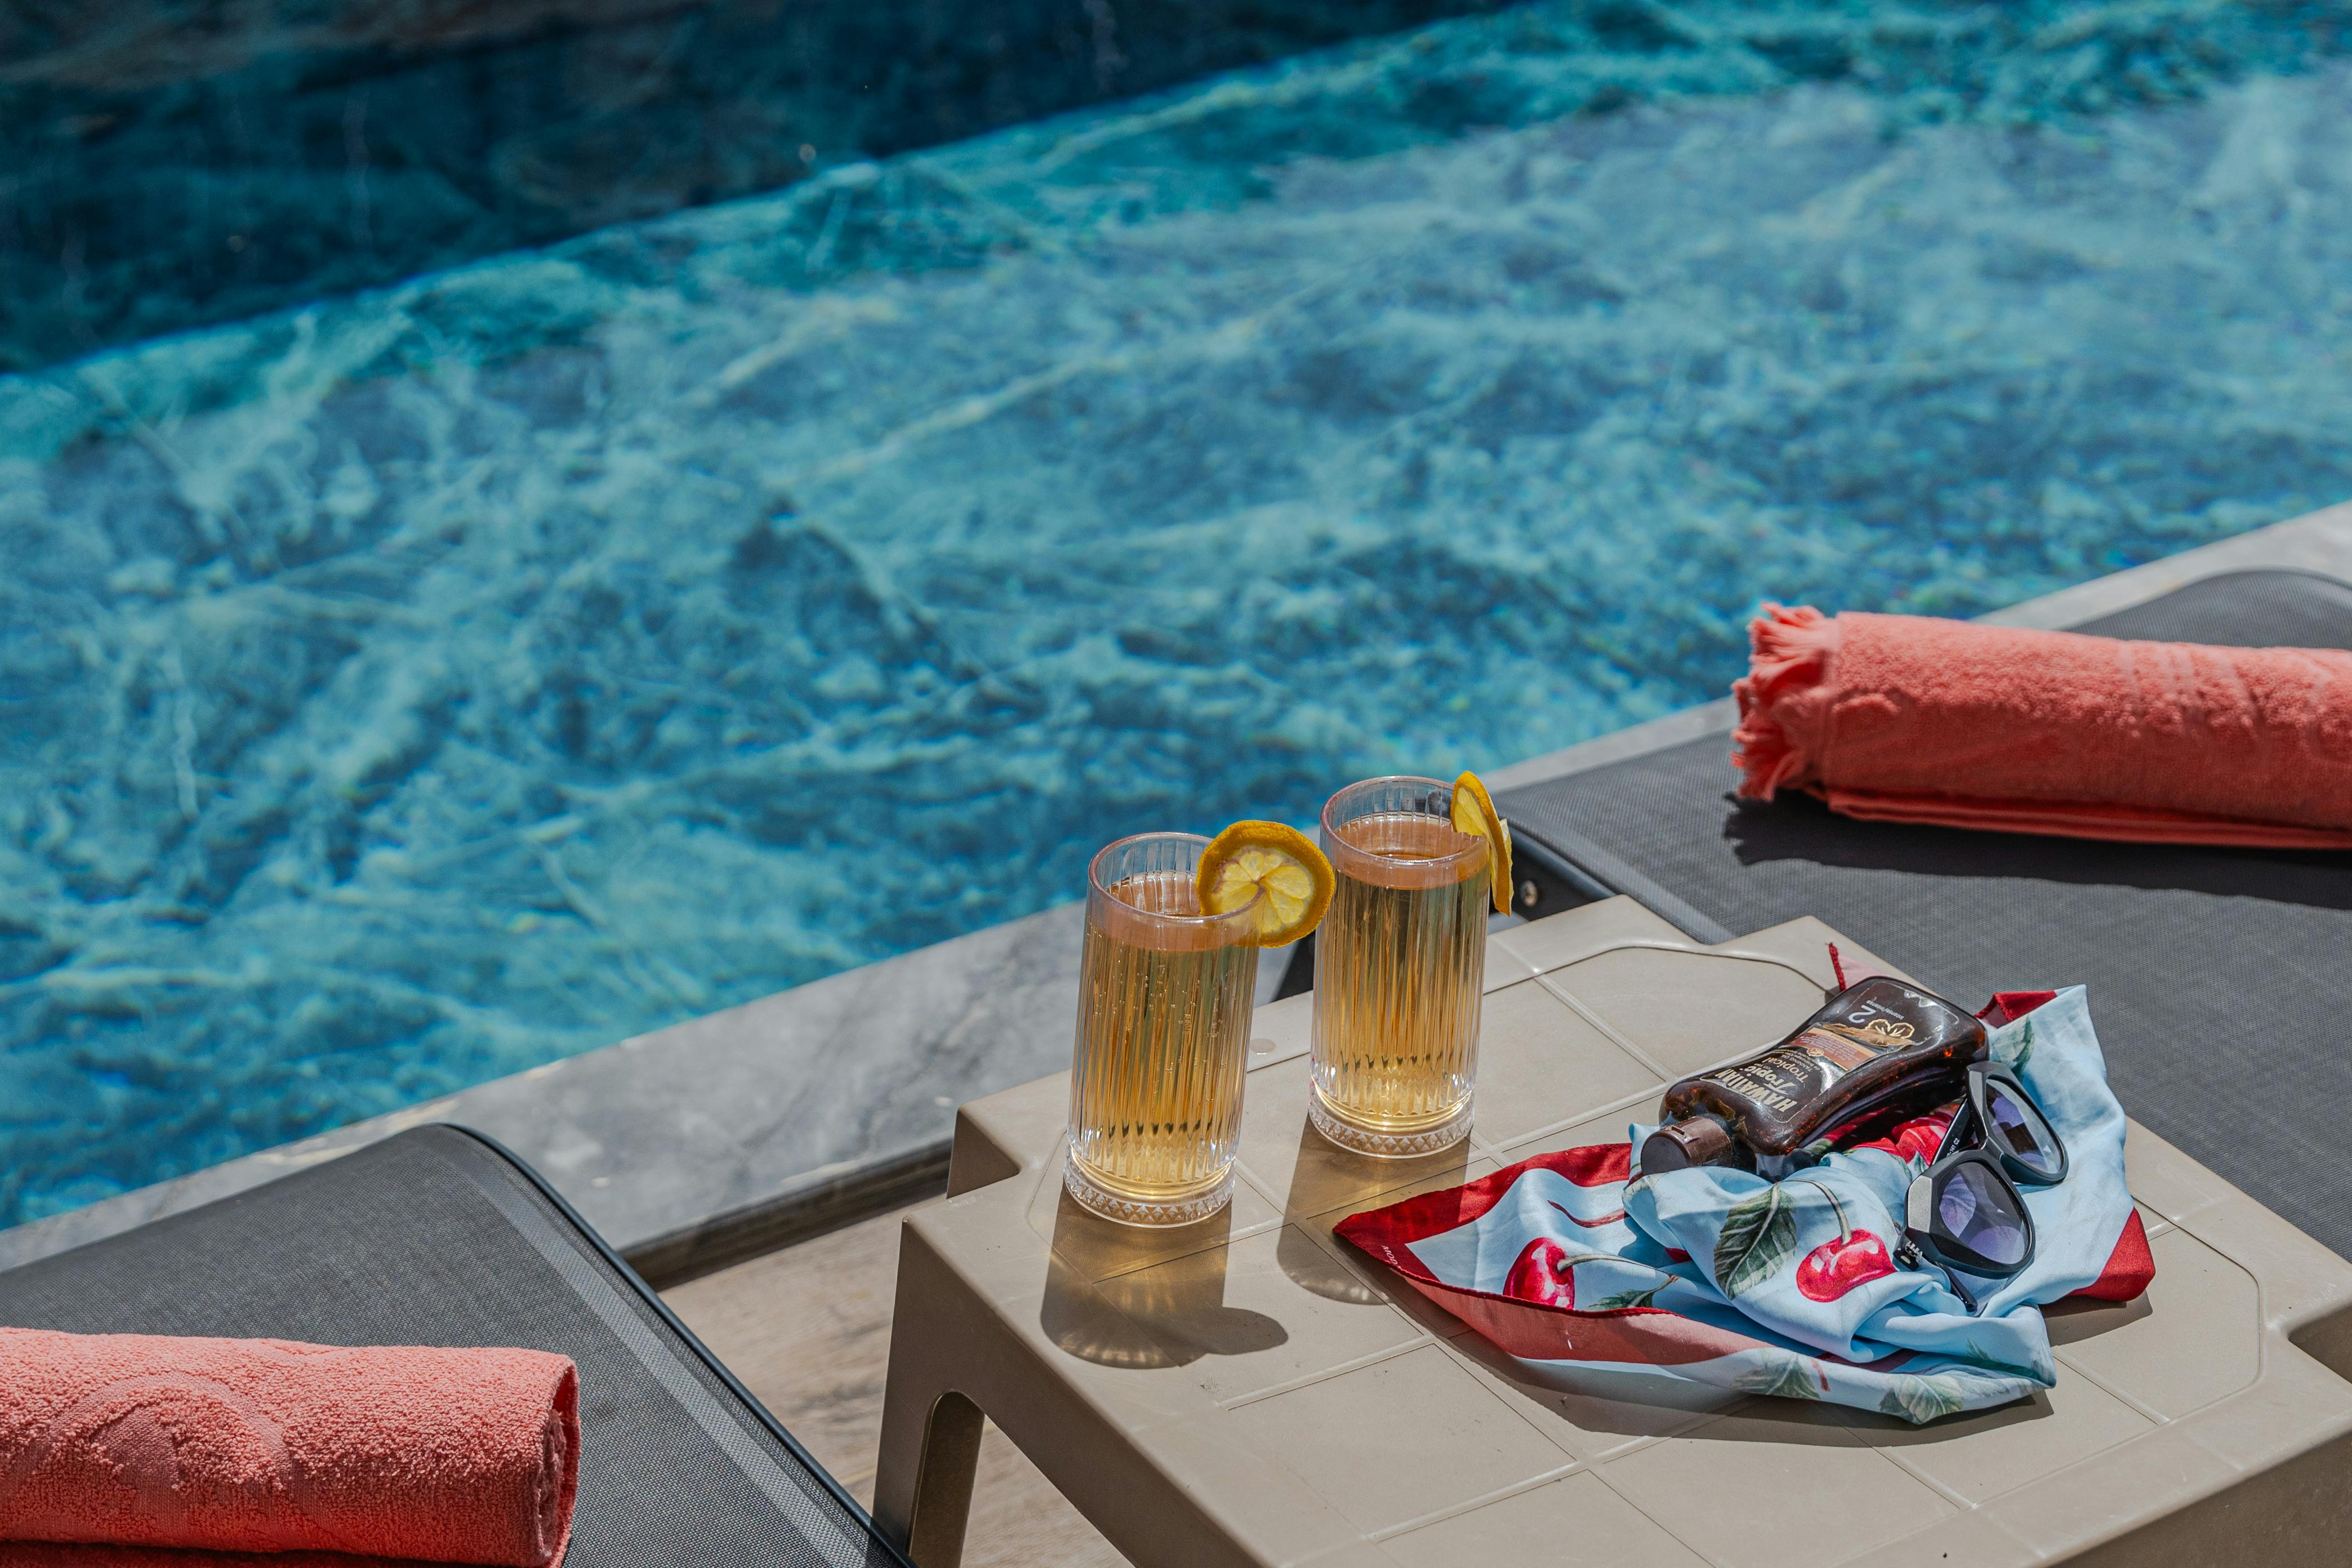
x: 2018, y: 1132
x: 1975, y: 1209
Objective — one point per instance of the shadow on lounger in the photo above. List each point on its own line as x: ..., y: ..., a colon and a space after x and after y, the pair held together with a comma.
x: 1800, y: 827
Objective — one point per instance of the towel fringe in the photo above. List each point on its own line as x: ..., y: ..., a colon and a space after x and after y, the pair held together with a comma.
x: 1793, y: 648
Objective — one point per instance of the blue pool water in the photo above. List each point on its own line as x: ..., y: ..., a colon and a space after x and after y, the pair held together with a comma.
x: 418, y: 686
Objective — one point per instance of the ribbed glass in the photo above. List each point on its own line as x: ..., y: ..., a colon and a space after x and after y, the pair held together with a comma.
x: 1164, y: 1005
x: 1400, y: 967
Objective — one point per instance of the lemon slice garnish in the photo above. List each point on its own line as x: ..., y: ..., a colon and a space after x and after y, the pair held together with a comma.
x: 1251, y: 857
x: 1474, y: 812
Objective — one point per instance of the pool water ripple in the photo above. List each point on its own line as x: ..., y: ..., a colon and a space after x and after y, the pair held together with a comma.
x: 420, y: 686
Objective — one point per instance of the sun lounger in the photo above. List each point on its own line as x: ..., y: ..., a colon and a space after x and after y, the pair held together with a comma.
x: 438, y: 1236
x: 2218, y: 977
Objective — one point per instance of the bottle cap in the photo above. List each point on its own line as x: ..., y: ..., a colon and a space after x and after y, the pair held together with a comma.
x: 1700, y: 1140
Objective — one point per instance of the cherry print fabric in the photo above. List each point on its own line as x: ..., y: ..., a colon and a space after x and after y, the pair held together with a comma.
x: 1573, y: 1262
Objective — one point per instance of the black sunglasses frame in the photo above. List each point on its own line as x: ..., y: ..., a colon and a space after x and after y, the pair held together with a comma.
x: 1968, y: 1141
x: 1926, y: 1195
x: 1972, y: 1127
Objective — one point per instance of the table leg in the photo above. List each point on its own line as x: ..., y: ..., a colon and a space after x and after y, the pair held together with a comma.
x: 943, y: 1482
x: 930, y: 1433
x: 952, y: 1359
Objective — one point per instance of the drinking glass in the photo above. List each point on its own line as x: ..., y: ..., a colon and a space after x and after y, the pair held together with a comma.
x: 1400, y: 967
x: 1164, y: 998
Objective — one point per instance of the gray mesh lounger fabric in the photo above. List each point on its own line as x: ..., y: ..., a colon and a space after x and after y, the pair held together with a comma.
x: 437, y: 1237
x: 2221, y: 980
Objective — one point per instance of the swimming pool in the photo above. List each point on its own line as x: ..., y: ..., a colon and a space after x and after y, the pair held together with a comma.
x: 417, y: 687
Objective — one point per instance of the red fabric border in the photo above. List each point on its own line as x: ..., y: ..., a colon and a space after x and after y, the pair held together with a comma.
x: 1536, y: 1330
x: 2012, y: 1006
x: 1392, y: 1230
x: 2130, y: 1267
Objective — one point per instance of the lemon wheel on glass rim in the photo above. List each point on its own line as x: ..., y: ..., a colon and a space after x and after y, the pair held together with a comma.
x: 1268, y: 858
x: 1474, y: 812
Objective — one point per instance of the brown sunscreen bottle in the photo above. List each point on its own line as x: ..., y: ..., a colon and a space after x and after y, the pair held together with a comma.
x: 1879, y: 1045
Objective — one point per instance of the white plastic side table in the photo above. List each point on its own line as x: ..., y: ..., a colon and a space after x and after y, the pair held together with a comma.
x: 1251, y: 1391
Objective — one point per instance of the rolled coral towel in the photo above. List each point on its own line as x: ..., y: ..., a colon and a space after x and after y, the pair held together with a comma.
x: 1909, y: 719
x: 137, y: 1440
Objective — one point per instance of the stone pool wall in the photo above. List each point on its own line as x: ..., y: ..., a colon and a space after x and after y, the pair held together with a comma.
x: 175, y: 162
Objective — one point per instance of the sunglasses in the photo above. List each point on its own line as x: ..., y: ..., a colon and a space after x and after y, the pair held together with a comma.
x: 1965, y: 1212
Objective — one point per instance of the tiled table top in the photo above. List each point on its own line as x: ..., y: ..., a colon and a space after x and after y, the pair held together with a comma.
x: 1320, y: 1411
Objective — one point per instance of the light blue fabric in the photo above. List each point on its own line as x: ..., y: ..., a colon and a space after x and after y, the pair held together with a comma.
x: 1901, y: 1341
x: 2055, y: 1053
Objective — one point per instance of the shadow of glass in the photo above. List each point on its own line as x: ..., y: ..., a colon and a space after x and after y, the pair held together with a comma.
x: 1801, y: 828
x: 1326, y: 1179
x: 1125, y: 1296
x: 1314, y: 1270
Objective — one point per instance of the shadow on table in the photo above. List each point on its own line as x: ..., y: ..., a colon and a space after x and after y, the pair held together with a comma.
x: 2080, y: 1317
x: 1327, y: 1184
x: 1127, y: 1297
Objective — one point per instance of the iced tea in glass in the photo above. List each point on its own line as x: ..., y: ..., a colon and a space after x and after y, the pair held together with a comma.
x: 1400, y: 967
x: 1164, y: 1000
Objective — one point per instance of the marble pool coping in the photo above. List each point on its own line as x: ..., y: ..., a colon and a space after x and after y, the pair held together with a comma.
x: 731, y: 1134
